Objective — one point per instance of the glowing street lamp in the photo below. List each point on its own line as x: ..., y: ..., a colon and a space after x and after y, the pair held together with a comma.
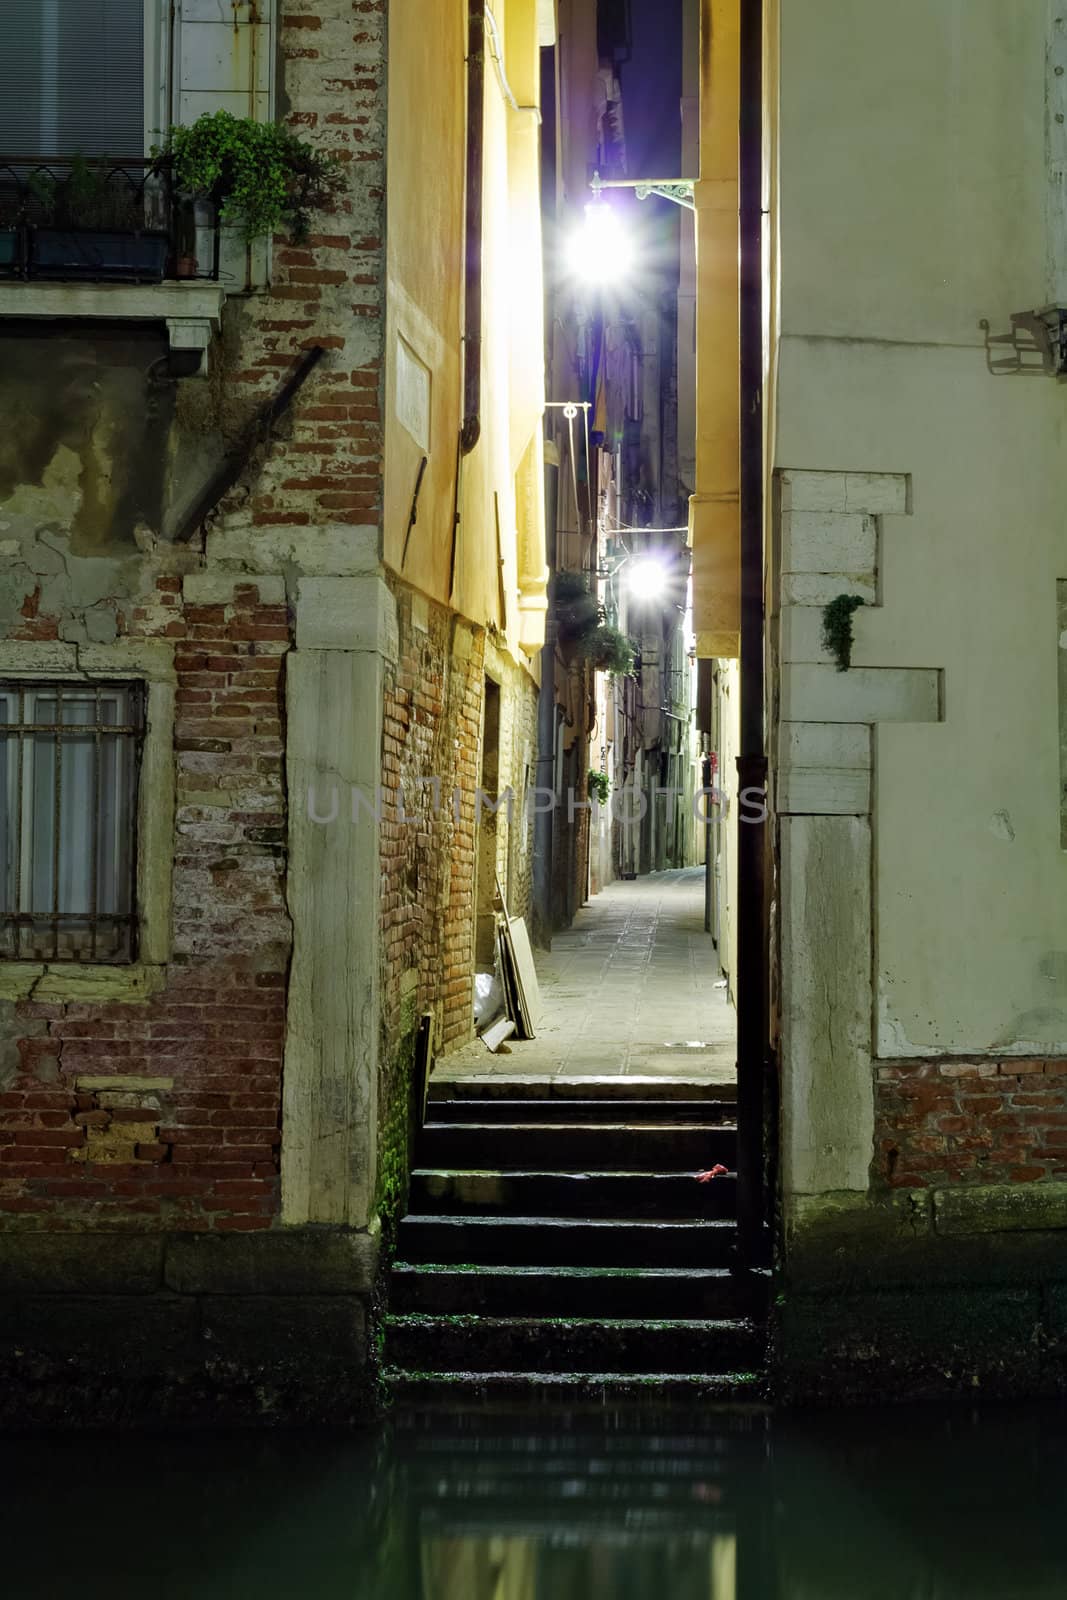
x: 601, y: 251
x: 647, y: 578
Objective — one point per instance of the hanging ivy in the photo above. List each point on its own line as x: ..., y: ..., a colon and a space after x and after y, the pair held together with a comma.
x: 609, y: 651
x: 837, y: 628
x: 263, y: 178
x: 599, y: 787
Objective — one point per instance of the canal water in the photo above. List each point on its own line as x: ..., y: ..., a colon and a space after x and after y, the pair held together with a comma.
x: 595, y: 1505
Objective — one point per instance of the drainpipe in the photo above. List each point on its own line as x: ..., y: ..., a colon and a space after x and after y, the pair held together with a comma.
x: 471, y: 428
x: 546, y: 721
x: 753, y: 952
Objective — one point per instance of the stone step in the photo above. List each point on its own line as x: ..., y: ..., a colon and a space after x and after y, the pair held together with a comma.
x: 571, y: 1148
x: 566, y: 1241
x: 630, y: 1112
x: 449, y: 1390
x: 562, y: 1291
x: 545, y: 1087
x: 662, y: 1195
x: 473, y: 1345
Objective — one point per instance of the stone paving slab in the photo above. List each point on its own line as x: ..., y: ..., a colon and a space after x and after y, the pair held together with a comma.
x: 629, y: 989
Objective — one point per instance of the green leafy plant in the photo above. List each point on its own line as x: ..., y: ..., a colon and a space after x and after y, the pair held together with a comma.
x: 87, y: 197
x: 599, y: 787
x: 837, y: 628
x: 575, y: 605
x: 263, y: 178
x: 609, y: 650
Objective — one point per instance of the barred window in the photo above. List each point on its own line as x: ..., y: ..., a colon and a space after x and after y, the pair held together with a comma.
x: 70, y: 757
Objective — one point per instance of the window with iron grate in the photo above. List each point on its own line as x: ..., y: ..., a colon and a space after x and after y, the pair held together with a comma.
x: 70, y: 758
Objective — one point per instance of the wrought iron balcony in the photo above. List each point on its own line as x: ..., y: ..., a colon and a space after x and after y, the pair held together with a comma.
x: 85, y: 220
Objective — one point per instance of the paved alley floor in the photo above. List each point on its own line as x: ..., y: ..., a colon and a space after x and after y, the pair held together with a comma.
x: 630, y: 988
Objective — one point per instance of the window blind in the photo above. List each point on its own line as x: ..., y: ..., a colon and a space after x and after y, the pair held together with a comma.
x: 72, y: 77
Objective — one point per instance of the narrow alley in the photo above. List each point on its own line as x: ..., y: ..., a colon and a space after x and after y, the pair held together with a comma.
x: 533, y: 797
x: 632, y: 987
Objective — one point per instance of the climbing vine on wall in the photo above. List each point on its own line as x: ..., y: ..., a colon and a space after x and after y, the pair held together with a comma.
x: 837, y: 628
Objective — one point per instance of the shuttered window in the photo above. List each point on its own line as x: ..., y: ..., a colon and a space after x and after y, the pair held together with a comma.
x: 69, y: 763
x: 72, y: 77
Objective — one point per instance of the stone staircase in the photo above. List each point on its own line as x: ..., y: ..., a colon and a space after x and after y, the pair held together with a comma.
x: 559, y: 1245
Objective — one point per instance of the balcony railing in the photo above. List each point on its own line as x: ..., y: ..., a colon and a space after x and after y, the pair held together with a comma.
x: 88, y: 220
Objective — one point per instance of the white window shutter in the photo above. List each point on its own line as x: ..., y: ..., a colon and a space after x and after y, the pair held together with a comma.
x: 223, y: 60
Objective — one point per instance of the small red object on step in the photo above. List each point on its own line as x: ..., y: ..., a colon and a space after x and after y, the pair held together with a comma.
x: 717, y: 1171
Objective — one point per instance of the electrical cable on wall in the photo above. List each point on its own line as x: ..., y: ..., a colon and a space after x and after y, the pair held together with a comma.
x: 498, y: 62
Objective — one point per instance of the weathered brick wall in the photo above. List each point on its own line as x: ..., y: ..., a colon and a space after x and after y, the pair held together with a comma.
x: 328, y: 291
x: 940, y: 1123
x: 432, y: 729
x: 186, y: 1132
x: 191, y: 1139
x: 433, y: 719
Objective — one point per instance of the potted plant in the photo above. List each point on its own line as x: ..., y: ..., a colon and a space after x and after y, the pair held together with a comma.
x: 609, y: 651
x: 93, y: 226
x: 575, y: 606
x: 584, y: 628
x: 259, y: 176
x: 10, y: 235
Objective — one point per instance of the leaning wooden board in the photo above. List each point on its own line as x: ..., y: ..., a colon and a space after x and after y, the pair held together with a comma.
x: 524, y: 961
x: 511, y: 978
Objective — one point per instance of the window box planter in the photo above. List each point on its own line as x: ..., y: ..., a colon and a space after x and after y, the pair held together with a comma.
x: 94, y: 254
x: 10, y: 254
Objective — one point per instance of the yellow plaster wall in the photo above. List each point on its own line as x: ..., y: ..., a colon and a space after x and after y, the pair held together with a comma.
x: 499, y: 565
x: 714, y: 509
x: 424, y: 274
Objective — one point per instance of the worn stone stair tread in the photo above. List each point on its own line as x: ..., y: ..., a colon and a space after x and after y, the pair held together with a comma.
x: 546, y: 1172
x: 572, y: 1146
x: 509, y: 1219
x: 565, y: 1240
x: 562, y: 1128
x: 593, y: 1342
x: 564, y: 1086
x: 575, y: 1112
x: 475, y: 1268
x: 730, y: 1386
x: 706, y: 1325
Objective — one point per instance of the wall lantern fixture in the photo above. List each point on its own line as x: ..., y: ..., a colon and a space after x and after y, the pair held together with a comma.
x: 601, y: 250
x: 1036, y: 347
x: 680, y: 190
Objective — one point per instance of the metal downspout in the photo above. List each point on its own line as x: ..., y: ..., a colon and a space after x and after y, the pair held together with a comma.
x: 543, y: 843
x: 471, y: 428
x: 753, y: 958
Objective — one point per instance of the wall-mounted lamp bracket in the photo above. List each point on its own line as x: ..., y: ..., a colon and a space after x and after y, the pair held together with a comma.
x: 680, y: 190
x: 1036, y: 347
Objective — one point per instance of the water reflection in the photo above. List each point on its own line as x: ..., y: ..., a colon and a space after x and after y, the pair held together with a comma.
x: 898, y: 1505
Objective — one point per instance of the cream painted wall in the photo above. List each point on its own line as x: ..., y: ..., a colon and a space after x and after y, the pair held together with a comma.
x: 913, y: 195
x: 912, y: 166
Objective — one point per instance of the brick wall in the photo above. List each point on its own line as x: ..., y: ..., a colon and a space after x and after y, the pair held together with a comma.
x: 432, y: 728
x: 187, y: 1136
x: 328, y: 291
x: 167, y: 1113
x: 941, y: 1123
